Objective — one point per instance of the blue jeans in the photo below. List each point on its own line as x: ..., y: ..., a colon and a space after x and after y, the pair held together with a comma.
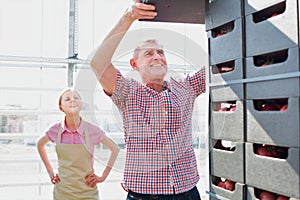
x: 192, y: 194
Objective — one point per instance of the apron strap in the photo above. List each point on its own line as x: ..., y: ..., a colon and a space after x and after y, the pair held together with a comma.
x: 87, y: 138
x: 59, y: 133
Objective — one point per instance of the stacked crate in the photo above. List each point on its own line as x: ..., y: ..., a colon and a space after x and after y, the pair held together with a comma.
x: 224, y: 25
x: 272, y: 78
x: 254, y: 65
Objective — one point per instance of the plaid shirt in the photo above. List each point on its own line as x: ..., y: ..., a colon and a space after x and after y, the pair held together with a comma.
x: 158, y: 134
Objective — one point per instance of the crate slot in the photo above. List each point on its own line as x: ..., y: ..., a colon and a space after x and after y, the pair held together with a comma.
x: 273, y: 151
x: 226, y: 106
x: 223, y: 183
x: 224, y: 145
x: 262, y: 194
x: 217, y: 193
x: 270, y: 58
x: 223, y: 67
x: 271, y: 104
x: 222, y: 30
x: 267, y: 13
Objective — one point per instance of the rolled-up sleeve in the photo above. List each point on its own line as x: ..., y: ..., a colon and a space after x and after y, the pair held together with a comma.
x: 198, y: 81
x: 122, y: 91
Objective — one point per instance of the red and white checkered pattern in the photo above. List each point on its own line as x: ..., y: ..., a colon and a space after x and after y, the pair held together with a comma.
x: 158, y: 133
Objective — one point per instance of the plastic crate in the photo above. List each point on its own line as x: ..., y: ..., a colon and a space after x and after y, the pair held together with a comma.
x: 287, y: 61
x: 274, y: 33
x: 228, y: 164
x: 221, y: 12
x: 217, y: 193
x: 227, y: 92
x: 227, y: 46
x: 250, y: 192
x: 274, y: 127
x: 252, y: 6
x: 273, y: 88
x: 228, y: 125
x: 273, y: 174
x: 218, y: 74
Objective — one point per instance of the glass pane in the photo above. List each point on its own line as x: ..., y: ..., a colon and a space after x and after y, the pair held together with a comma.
x: 54, y: 78
x: 23, y: 77
x: 19, y: 100
x: 20, y: 25
x: 55, y: 28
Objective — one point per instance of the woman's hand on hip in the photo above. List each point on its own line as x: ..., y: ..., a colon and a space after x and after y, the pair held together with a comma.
x: 92, y: 180
x: 54, y: 178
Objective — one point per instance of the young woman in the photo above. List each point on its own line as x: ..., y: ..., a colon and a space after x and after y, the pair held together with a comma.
x: 75, y: 141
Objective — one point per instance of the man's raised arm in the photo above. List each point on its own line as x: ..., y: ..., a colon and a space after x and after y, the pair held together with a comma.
x: 101, y: 61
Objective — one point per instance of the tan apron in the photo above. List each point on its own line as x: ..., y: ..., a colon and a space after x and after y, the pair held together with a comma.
x: 74, y: 163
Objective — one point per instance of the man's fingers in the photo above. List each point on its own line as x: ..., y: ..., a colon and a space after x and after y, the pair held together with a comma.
x: 143, y: 6
x: 148, y: 14
x: 144, y: 13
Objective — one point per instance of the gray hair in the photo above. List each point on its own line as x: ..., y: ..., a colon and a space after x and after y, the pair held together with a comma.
x: 142, y: 44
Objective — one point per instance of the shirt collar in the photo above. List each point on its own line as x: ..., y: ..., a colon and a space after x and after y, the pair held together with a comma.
x: 166, y: 86
x: 80, y: 129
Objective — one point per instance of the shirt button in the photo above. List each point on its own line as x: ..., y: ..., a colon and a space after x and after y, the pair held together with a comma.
x: 166, y: 112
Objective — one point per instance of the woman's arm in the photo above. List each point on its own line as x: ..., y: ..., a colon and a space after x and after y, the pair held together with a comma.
x: 114, y: 148
x: 93, y: 179
x: 42, y: 141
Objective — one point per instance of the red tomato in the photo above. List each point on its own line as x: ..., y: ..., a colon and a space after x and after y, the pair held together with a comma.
x: 224, y: 109
x: 269, y: 107
x: 275, y: 153
x: 281, y: 197
x: 264, y: 151
x: 229, y: 185
x: 225, y: 69
x: 265, y: 195
x: 221, y: 184
x: 233, y: 107
x: 274, y: 15
x: 284, y: 107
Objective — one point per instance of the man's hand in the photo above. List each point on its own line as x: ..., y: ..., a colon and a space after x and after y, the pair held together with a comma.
x: 140, y: 11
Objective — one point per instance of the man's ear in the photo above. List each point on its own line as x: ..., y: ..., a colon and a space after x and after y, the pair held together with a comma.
x: 133, y: 64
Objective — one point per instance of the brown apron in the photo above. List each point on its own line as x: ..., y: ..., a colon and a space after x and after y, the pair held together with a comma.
x: 74, y: 163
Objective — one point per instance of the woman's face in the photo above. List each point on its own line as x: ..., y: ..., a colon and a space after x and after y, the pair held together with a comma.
x: 71, y: 102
